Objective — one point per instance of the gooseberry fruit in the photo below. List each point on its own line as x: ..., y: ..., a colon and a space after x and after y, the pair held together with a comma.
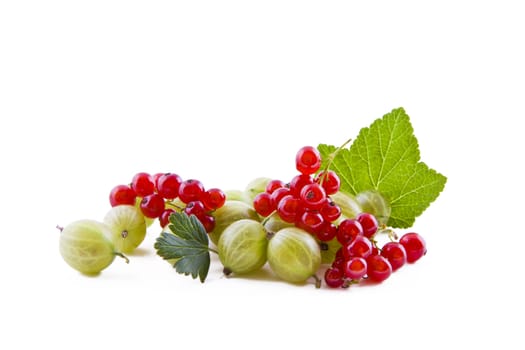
x: 85, y: 246
x: 128, y: 227
x: 374, y: 203
x: 230, y: 212
x: 294, y: 255
x: 242, y: 247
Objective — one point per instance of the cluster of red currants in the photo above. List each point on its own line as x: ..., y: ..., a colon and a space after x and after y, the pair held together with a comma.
x: 305, y: 200
x: 157, y: 195
x: 359, y: 257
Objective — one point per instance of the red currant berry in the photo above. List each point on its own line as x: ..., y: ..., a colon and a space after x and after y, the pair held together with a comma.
x: 152, y: 205
x: 369, y: 223
x: 334, y: 277
x: 360, y: 247
x: 278, y: 194
x: 329, y: 181
x: 213, y: 198
x: 122, y: 194
x: 339, y: 253
x: 313, y: 196
x: 288, y: 208
x: 143, y: 184
x: 190, y: 190
x: 298, y: 182
x: 168, y: 185
x: 263, y: 204
x: 378, y: 268
x: 355, y: 268
x: 327, y: 233
x: 348, y: 229
x: 195, y: 208
x: 208, y: 221
x: 414, y: 245
x: 274, y: 185
x: 395, y: 254
x: 330, y: 211
x: 339, y: 263
x: 164, y: 218
x: 308, y: 160
x: 311, y: 221
x: 156, y: 177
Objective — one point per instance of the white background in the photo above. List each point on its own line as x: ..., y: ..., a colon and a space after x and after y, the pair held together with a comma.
x: 225, y: 91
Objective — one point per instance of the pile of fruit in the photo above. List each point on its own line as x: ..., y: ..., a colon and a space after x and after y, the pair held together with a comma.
x: 331, y: 220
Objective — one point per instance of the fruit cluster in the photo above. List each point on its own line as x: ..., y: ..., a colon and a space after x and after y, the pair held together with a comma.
x: 296, y: 227
x: 304, y: 201
x: 159, y: 195
x: 309, y: 222
x: 360, y: 256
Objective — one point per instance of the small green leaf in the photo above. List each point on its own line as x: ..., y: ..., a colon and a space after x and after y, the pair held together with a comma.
x: 188, y: 244
x: 385, y: 157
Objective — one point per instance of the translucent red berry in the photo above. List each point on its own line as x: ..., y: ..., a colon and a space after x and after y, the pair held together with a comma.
x: 143, y: 184
x: 164, y: 218
x: 263, y: 204
x: 288, y: 208
x: 121, y: 195
x: 168, y: 185
x: 395, y: 254
x: 278, y: 194
x: 190, y: 190
x: 311, y: 221
x: 334, y: 277
x: 348, y: 229
x: 414, y: 245
x: 208, y: 221
x: 313, y: 196
x: 327, y: 233
x: 152, y: 205
x: 298, y: 182
x: 213, y: 198
x: 360, y: 247
x: 329, y: 180
x: 273, y: 185
x: 369, y: 224
x: 355, y: 268
x: 378, y: 268
x: 195, y: 208
x: 308, y: 160
x: 330, y: 211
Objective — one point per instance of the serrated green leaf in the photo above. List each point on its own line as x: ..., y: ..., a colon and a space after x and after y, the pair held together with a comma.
x: 188, y: 243
x: 385, y: 157
x: 188, y: 227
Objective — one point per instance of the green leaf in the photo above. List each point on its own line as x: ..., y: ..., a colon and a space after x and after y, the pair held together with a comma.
x: 385, y: 157
x: 188, y: 244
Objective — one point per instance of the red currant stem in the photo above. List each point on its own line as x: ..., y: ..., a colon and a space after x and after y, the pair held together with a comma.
x: 213, y: 250
x: 331, y: 158
x: 122, y: 256
x: 318, y: 281
x: 267, y: 218
x: 391, y: 234
x: 349, y: 282
x: 171, y: 204
x: 60, y: 228
x: 374, y: 243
